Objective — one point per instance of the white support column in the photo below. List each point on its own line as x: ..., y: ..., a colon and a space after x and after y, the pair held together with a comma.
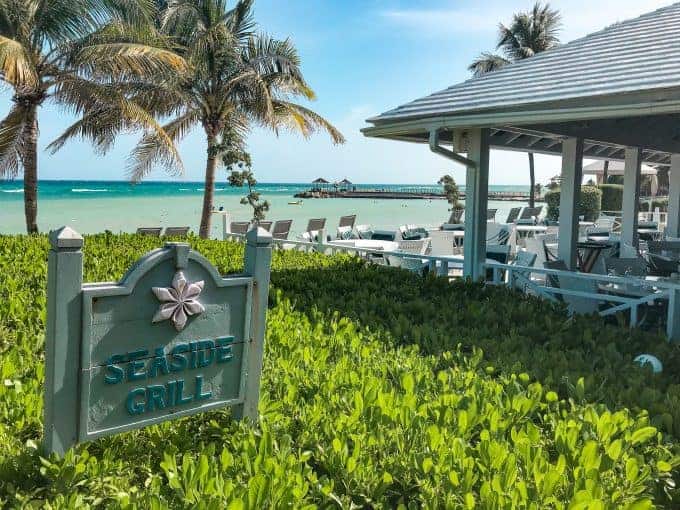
x: 631, y: 199
x: 476, y: 198
x: 570, y: 191
x: 673, y: 216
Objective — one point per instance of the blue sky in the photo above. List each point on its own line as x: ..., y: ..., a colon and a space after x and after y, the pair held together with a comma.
x: 361, y: 57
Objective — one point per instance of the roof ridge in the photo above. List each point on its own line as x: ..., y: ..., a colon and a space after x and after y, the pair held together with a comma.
x: 551, y: 51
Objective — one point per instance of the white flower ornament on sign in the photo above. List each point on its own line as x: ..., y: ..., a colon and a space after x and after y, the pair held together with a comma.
x: 179, y: 301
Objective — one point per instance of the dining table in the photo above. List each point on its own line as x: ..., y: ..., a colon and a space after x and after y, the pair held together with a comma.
x: 588, y: 253
x: 530, y: 230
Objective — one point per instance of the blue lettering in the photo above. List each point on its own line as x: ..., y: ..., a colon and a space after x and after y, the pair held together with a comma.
x: 206, y: 353
x: 135, y: 407
x: 223, y: 349
x: 115, y: 373
x: 155, y: 397
x: 159, y: 362
x: 179, y: 361
x: 199, y: 389
x: 181, y: 399
x: 134, y: 366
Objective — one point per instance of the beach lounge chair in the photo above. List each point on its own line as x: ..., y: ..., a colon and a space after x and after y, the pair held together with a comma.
x: 491, y: 214
x: 513, y: 215
x: 497, y: 234
x: 267, y: 225
x: 521, y: 279
x: 364, y: 231
x: 176, y: 231
x: 498, y: 253
x: 347, y: 221
x: 412, y: 232
x: 315, y: 224
x: 239, y: 227
x: 281, y: 229
x: 415, y: 264
x: 536, y: 247
x: 149, y: 231
x: 345, y: 233
x: 529, y: 215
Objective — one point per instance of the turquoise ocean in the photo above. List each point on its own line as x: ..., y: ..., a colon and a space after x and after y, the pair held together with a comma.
x: 95, y: 206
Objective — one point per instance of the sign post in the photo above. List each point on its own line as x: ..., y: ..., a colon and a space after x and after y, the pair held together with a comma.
x: 171, y: 339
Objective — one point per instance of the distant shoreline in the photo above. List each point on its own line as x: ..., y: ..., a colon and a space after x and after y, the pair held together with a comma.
x: 19, y: 182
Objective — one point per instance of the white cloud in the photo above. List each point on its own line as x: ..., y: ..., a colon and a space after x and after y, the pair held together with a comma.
x: 440, y: 22
x: 580, y: 17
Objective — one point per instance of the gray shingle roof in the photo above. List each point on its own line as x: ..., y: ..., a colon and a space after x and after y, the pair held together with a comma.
x: 641, y: 54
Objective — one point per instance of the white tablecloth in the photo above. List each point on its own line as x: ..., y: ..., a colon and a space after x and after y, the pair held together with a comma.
x: 368, y: 244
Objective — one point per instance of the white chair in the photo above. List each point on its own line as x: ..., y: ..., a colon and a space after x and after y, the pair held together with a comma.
x: 442, y: 243
x: 364, y: 231
x: 344, y: 233
x: 416, y: 246
x: 535, y: 246
x: 520, y: 279
x: 579, y: 304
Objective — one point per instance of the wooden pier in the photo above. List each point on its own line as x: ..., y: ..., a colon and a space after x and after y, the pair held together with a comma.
x: 515, y: 196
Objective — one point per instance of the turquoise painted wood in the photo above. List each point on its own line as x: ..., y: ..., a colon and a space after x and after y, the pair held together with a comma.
x: 172, y: 338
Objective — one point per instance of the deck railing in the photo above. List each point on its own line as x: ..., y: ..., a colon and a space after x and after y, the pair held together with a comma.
x: 524, y: 278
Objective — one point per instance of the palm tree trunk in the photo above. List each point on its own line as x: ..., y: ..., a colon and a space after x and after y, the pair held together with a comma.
x: 30, y: 163
x: 532, y: 180
x: 209, y: 190
x: 605, y: 172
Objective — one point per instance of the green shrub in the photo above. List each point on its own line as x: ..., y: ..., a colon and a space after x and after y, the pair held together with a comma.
x: 375, y: 394
x: 661, y: 203
x: 589, y: 203
x: 612, y: 197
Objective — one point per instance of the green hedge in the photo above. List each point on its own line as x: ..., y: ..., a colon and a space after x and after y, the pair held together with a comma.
x: 589, y: 203
x: 612, y: 196
x: 380, y: 389
x: 661, y: 203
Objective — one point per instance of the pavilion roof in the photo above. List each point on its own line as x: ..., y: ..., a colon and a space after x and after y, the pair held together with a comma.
x: 617, y: 87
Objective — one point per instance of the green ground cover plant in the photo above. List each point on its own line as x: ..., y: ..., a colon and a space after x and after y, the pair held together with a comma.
x: 381, y: 389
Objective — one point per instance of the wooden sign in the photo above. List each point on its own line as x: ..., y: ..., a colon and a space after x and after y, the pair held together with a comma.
x: 172, y: 338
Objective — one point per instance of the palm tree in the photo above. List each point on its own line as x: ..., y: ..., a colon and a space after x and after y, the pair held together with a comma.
x: 69, y: 53
x: 236, y: 78
x: 529, y: 33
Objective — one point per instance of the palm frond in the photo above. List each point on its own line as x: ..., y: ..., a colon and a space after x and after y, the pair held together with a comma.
x: 303, y: 120
x: 125, y: 60
x: 154, y: 150
x: 530, y: 32
x: 16, y: 67
x: 133, y: 12
x: 11, y: 140
x: 486, y: 63
x: 59, y: 21
x: 240, y: 20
